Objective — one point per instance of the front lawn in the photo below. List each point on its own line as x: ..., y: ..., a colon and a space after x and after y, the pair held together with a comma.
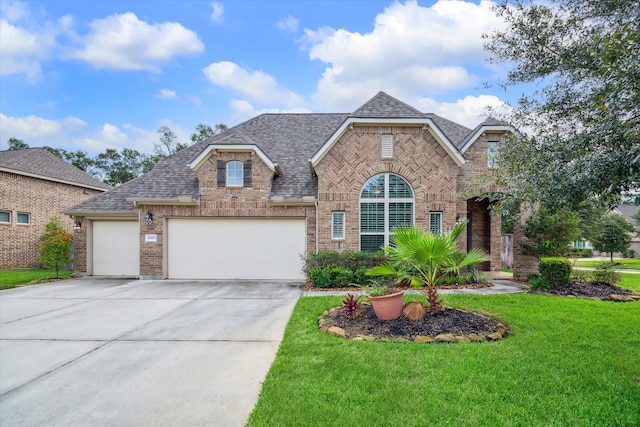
x: 567, y: 362
x: 13, y: 278
x: 621, y: 264
x: 630, y: 281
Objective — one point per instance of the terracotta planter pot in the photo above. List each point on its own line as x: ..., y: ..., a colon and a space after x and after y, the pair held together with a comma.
x: 388, y: 307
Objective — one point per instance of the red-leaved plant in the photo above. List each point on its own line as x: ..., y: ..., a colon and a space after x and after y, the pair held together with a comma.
x: 350, y: 306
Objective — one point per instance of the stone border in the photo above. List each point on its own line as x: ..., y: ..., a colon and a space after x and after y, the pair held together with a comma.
x: 501, y: 333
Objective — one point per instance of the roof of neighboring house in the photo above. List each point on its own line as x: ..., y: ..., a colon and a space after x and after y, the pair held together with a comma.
x: 628, y: 211
x: 288, y: 140
x: 40, y: 163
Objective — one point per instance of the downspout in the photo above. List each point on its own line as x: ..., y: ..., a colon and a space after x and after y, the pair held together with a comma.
x: 317, y: 227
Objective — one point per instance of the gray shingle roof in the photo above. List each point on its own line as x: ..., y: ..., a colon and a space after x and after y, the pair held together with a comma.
x: 289, y: 140
x: 43, y: 164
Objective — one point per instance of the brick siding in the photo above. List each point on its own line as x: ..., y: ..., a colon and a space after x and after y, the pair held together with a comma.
x: 40, y: 198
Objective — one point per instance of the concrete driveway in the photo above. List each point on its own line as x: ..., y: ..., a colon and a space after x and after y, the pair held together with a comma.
x: 115, y: 352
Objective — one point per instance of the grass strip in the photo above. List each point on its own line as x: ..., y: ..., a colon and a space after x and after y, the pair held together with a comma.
x: 19, y: 277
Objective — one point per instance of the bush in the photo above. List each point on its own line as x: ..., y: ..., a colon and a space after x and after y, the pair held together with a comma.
x: 331, y: 277
x: 353, y: 260
x: 555, y: 271
x: 605, y: 275
x: 580, y: 253
x: 537, y: 283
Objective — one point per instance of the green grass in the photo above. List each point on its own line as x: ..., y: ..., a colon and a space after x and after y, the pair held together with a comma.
x: 567, y: 362
x: 13, y: 278
x: 622, y: 264
x: 630, y: 281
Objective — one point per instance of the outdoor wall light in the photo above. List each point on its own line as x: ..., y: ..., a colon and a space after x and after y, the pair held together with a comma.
x: 77, y: 225
x: 458, y: 219
x: 149, y: 218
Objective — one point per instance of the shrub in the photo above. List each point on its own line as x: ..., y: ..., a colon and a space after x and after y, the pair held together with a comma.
x: 331, y: 277
x: 605, y: 275
x: 582, y: 275
x: 537, y: 282
x: 55, y: 246
x: 475, y: 276
x: 580, y: 252
x: 353, y: 260
x: 555, y: 271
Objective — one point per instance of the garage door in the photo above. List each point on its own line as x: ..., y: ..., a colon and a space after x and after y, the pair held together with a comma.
x: 116, y: 248
x: 236, y: 248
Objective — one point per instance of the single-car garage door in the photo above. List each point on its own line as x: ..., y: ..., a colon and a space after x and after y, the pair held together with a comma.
x: 116, y: 248
x: 204, y: 248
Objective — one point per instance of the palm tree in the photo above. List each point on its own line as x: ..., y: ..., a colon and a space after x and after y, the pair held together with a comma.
x: 424, y: 258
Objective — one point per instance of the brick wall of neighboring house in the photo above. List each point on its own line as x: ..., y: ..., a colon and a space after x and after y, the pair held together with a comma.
x: 219, y: 202
x: 41, y: 199
x: 357, y: 157
x: 522, y: 264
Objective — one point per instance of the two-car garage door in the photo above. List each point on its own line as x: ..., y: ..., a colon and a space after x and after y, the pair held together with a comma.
x: 205, y: 248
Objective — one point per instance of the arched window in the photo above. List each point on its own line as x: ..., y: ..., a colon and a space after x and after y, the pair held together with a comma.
x: 386, y: 202
x: 234, y: 174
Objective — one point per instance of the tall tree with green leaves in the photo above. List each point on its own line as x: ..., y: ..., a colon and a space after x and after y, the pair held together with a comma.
x: 615, y: 235
x: 55, y: 246
x: 204, y: 132
x: 580, y: 132
x: 17, y: 144
x: 168, y: 144
x: 550, y: 232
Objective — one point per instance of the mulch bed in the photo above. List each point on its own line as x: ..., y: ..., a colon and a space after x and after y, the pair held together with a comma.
x: 589, y: 290
x: 310, y: 288
x: 450, y: 321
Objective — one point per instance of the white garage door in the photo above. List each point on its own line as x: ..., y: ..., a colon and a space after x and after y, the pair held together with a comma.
x: 236, y: 248
x: 116, y: 248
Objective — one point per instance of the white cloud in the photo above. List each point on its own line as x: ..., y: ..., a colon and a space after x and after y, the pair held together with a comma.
x: 217, y: 13
x: 166, y: 94
x: 257, y: 86
x: 289, y: 24
x: 411, y: 51
x: 123, y: 42
x: 243, y: 110
x: 36, y: 131
x: 22, y: 50
x: 469, y: 111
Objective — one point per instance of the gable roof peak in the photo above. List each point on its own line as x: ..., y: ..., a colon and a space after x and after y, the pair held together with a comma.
x: 385, y: 106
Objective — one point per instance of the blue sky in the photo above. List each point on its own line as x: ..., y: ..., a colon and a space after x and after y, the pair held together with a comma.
x: 90, y: 75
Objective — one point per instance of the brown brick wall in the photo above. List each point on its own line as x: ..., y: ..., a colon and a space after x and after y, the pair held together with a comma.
x: 42, y: 200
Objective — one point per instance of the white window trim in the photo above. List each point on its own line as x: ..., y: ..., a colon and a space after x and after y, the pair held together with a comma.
x: 386, y: 200
x: 340, y: 234
x: 9, y: 212
x: 28, y: 214
x: 437, y: 214
x: 234, y: 162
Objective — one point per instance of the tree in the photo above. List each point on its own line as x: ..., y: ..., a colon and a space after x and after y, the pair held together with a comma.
x: 580, y: 133
x: 55, y: 246
x: 204, y: 132
x: 17, y: 144
x: 168, y: 144
x: 425, y: 258
x: 118, y: 167
x: 615, y: 235
x: 79, y: 159
x: 550, y: 232
x: 590, y: 215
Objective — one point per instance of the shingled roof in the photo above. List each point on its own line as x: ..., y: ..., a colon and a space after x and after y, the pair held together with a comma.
x: 289, y: 140
x: 40, y: 163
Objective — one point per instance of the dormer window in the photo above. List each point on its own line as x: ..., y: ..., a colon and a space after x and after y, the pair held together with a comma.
x: 234, y: 174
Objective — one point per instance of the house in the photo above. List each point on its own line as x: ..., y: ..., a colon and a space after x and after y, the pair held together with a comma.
x: 247, y: 203
x: 628, y: 211
x: 35, y: 186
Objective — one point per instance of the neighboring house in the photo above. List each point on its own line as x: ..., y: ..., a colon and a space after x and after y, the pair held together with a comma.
x: 628, y: 211
x: 36, y: 185
x: 247, y: 203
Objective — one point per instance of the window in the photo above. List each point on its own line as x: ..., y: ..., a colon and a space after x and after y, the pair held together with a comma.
x: 337, y: 225
x: 234, y: 174
x: 387, y: 146
x: 23, y: 218
x: 5, y: 217
x: 579, y: 244
x: 386, y: 202
x: 492, y: 153
x: 435, y: 223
